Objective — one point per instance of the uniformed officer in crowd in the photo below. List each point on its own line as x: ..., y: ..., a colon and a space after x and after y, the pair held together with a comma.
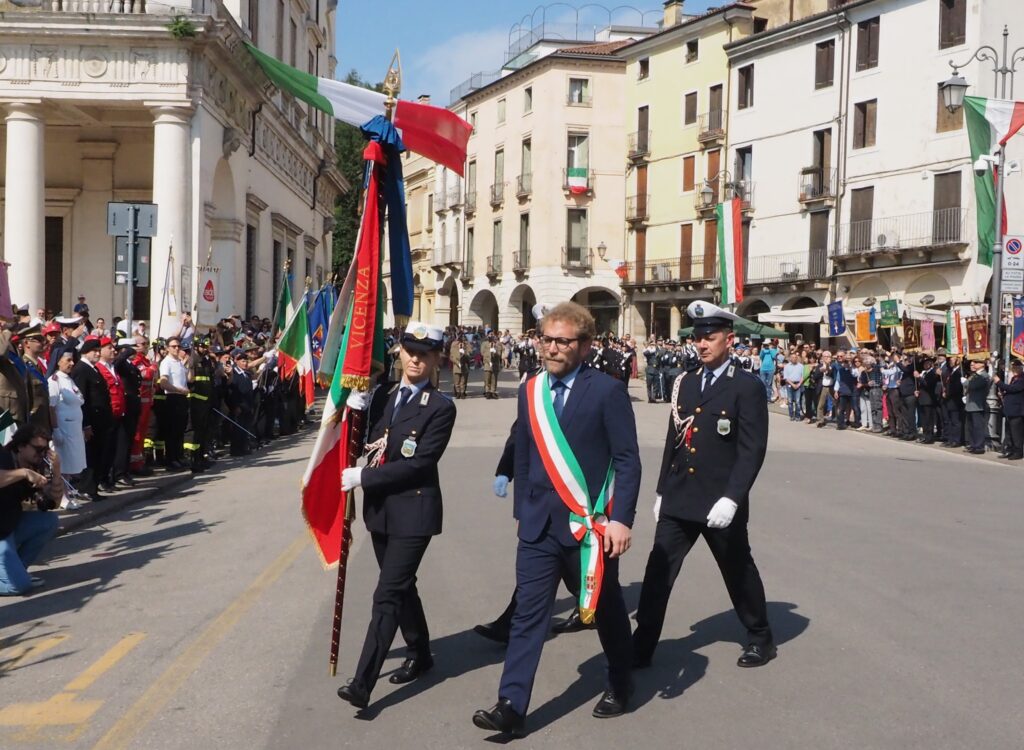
x: 201, y: 391
x: 652, y: 372
x: 716, y: 443
x: 458, y: 353
x: 241, y: 403
x: 408, y: 428
x: 671, y: 365
x: 491, y: 352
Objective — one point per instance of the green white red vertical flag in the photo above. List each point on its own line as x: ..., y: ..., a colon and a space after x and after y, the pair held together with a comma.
x: 990, y: 124
x: 294, y: 353
x: 730, y: 250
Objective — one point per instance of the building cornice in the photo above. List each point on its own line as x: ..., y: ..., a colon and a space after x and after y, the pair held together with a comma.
x: 536, y: 69
x: 692, y: 29
x: 764, y: 42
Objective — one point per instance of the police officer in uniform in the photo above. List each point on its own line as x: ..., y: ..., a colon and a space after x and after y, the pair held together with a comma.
x: 652, y: 372
x: 201, y: 392
x: 458, y: 353
x: 717, y: 439
x: 408, y: 428
x: 491, y: 352
x: 241, y: 401
x: 671, y: 367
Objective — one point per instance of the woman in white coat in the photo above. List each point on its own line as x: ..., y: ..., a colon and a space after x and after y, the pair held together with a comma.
x: 66, y: 407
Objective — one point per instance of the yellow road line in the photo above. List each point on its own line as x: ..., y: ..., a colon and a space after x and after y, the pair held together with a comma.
x: 149, y: 705
x: 105, y: 662
x: 18, y: 655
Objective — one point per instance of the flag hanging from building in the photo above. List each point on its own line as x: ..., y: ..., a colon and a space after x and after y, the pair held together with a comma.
x: 577, y: 179
x: 294, y: 355
x: 990, y: 124
x: 434, y: 132
x: 730, y: 250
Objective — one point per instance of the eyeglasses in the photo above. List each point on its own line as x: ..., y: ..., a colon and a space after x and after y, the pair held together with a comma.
x: 563, y: 344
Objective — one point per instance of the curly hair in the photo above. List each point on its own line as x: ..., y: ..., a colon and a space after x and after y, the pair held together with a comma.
x: 576, y: 315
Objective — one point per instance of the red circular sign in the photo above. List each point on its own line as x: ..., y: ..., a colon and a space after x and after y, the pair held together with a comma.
x: 208, y: 293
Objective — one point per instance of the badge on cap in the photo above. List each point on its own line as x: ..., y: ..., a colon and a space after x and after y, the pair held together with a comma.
x: 420, y: 332
x: 724, y: 427
x: 408, y: 448
x: 699, y: 310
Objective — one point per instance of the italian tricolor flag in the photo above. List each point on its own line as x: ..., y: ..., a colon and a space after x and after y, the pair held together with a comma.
x: 730, y: 250
x: 294, y: 354
x: 434, y: 132
x: 990, y: 124
x: 285, y: 308
x: 577, y: 178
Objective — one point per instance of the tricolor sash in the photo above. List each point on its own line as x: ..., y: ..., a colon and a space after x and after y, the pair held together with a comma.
x: 588, y: 519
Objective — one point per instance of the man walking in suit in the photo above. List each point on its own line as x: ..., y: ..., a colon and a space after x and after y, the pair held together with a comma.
x: 577, y: 475
x: 409, y: 426
x: 491, y: 352
x: 97, y: 413
x: 716, y: 443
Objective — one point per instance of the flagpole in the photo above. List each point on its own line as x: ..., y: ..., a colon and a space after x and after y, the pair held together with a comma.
x: 356, y: 420
x: 277, y: 305
x: 167, y: 282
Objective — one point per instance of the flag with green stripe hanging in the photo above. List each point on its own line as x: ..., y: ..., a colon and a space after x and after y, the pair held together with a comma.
x: 990, y: 124
x: 729, y: 217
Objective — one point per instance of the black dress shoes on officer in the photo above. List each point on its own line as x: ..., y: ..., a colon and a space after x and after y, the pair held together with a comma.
x: 496, y: 631
x: 756, y: 655
x: 614, y: 702
x: 410, y: 670
x: 501, y: 718
x: 355, y: 694
x: 572, y: 624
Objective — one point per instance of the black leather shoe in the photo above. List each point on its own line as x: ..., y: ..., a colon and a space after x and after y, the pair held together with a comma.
x: 572, y: 624
x: 496, y: 631
x: 614, y: 702
x: 756, y: 655
x: 355, y: 694
x: 410, y: 670
x: 501, y: 718
x: 125, y: 481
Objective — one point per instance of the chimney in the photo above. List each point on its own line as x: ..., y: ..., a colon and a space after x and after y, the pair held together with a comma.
x: 423, y: 98
x: 673, y: 13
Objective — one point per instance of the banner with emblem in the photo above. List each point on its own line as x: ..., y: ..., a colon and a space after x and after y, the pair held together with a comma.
x: 863, y: 327
x: 890, y: 313
x: 836, y: 319
x: 977, y: 338
x: 911, y: 334
x: 1017, y: 341
x: 208, y: 302
x: 927, y: 335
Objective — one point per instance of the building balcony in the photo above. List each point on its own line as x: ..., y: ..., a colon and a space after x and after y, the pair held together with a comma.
x: 468, y: 269
x: 742, y: 189
x: 787, y: 268
x: 578, y: 181
x: 454, y: 198
x: 524, y: 185
x: 706, y: 202
x: 447, y: 255
x: 521, y: 260
x: 638, y: 209
x: 493, y: 266
x: 578, y: 99
x: 577, y: 259
x: 638, y: 145
x: 687, y: 271
x: 440, y: 202
x: 817, y: 185
x: 894, y: 235
x: 497, y: 194
x: 711, y: 127
x: 470, y: 203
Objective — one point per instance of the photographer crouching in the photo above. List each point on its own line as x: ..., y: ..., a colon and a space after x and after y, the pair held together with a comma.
x: 30, y: 486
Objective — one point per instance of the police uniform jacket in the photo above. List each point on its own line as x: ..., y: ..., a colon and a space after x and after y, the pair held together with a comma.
x: 728, y: 441
x: 241, y: 395
x: 927, y: 388
x: 97, y: 411
x: 977, y: 391
x: 1013, y: 397
x: 402, y: 496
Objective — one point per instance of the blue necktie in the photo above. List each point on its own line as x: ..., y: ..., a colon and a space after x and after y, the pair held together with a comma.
x: 708, y: 377
x: 559, y: 388
x: 403, y: 396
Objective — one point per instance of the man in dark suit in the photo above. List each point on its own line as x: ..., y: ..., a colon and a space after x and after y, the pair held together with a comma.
x: 952, y: 403
x: 908, y: 399
x: 585, y: 418
x: 97, y: 413
x: 845, y: 388
x: 976, y: 391
x: 409, y: 426
x: 927, y: 399
x: 716, y: 443
x: 1012, y: 393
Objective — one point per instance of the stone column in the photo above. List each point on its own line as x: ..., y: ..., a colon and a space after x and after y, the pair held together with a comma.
x: 172, y: 143
x: 25, y: 210
x: 675, y: 320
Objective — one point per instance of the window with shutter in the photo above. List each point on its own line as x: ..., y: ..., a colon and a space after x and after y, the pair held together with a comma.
x: 710, y: 251
x: 685, y: 251
x: 865, y: 117
x: 824, y: 63
x: 952, y: 23
x: 690, y: 108
x: 862, y: 206
x: 689, y: 166
x: 867, y: 43
x: 746, y: 87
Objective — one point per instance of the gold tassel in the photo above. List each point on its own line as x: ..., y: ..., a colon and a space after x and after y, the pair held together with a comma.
x: 355, y: 382
x: 586, y: 615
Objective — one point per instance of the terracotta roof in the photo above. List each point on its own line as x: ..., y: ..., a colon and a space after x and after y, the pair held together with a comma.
x: 603, y: 48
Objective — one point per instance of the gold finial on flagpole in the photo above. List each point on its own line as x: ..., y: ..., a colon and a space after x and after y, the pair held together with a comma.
x: 393, y: 84
x: 309, y: 283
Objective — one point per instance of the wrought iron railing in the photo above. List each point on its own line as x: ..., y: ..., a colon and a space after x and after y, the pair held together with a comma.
x: 638, y: 207
x: 521, y: 260
x: 493, y: 265
x: 524, y: 185
x: 711, y: 125
x: 639, y: 144
x: 578, y: 183
x: 696, y: 268
x: 805, y: 265
x: 497, y: 193
x: 577, y: 258
x: 816, y: 183
x: 945, y: 226
x: 470, y: 203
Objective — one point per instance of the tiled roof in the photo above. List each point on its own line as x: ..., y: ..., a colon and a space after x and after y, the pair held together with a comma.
x: 602, y: 48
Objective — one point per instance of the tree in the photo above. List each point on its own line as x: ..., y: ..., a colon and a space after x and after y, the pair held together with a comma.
x: 348, y: 145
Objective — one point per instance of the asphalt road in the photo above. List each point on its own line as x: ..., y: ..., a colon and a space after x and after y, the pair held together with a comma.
x: 201, y: 619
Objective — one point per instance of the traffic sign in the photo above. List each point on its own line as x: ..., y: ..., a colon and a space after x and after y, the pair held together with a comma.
x: 1013, y: 252
x: 121, y: 261
x: 119, y: 216
x: 1012, y: 281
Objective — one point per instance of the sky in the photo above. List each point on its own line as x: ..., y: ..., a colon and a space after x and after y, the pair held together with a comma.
x: 443, y: 42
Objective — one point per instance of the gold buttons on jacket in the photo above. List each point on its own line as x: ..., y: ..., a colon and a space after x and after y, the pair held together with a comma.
x: 693, y: 470
x: 697, y: 410
x: 693, y: 450
x: 696, y: 429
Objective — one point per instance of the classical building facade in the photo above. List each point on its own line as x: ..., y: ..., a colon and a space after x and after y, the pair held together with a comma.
x: 860, y: 169
x: 128, y: 103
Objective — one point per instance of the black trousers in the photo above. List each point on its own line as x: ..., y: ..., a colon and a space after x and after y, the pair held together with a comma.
x: 842, y: 411
x: 241, y: 440
x: 653, y: 384
x: 977, y: 430
x: 1014, y: 444
x: 199, y: 412
x: 895, y: 411
x: 396, y: 604
x: 952, y: 421
x: 926, y: 414
x: 125, y: 437
x: 95, y: 447
x: 673, y: 539
x: 176, y: 416
x: 908, y: 416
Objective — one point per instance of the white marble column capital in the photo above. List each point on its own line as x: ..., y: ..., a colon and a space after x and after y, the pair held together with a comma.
x: 26, y: 111
x: 171, y: 115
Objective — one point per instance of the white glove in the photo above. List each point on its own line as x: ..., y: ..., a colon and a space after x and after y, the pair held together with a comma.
x: 657, y: 507
x: 721, y: 513
x: 358, y: 401
x: 351, y: 478
x: 501, y: 485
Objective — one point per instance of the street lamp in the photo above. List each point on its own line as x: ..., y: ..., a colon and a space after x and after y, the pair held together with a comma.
x: 602, y: 249
x: 1004, y: 67
x: 707, y: 195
